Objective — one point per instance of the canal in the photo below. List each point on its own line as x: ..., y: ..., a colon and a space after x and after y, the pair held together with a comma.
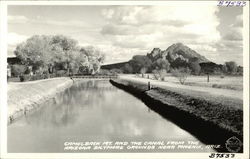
x: 97, y: 111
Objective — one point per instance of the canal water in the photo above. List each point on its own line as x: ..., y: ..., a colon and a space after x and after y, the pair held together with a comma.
x: 95, y: 112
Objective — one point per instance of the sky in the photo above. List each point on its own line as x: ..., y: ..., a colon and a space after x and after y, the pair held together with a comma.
x: 123, y: 31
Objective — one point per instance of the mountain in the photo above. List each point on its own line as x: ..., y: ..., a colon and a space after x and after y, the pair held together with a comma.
x: 114, y: 66
x: 176, y: 51
x: 177, y: 54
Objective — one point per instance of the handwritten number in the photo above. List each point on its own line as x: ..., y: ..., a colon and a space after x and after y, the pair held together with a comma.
x: 221, y: 155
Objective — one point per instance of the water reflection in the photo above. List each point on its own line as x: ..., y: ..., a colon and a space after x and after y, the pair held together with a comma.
x: 90, y: 111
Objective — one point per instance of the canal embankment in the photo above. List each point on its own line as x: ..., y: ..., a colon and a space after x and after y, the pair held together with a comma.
x: 218, y: 117
x: 25, y: 96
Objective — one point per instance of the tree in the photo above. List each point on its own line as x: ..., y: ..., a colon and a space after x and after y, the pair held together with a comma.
x: 159, y: 74
x: 143, y: 71
x: 179, y: 62
x: 66, y: 52
x: 35, y: 52
x: 195, y: 67
x: 231, y: 67
x: 224, y: 69
x: 181, y: 73
x: 127, y: 68
x: 240, y: 70
x: 48, y: 53
x: 161, y: 64
x: 17, y: 70
x: 140, y: 61
x: 94, y: 58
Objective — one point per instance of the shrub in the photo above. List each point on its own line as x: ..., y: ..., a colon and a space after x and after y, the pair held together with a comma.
x: 143, y: 71
x: 195, y: 68
x: 104, y: 72
x: 156, y: 75
x: 160, y: 74
x: 127, y: 68
x: 17, y: 70
x: 25, y: 77
x: 181, y: 74
x: 116, y: 71
x: 61, y: 73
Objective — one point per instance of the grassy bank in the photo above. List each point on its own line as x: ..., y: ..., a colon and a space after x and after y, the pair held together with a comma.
x: 192, y: 110
x: 25, y: 96
x: 215, y: 81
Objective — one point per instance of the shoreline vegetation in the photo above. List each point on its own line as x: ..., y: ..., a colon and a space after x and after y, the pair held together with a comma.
x: 222, y: 112
x: 26, y: 96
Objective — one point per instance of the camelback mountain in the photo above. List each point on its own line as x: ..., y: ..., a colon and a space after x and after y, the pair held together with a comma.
x: 176, y: 51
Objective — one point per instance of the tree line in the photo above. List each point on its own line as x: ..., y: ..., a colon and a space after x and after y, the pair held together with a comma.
x: 180, y: 68
x: 142, y: 64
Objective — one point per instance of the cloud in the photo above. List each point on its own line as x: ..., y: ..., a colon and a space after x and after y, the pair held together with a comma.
x: 238, y: 21
x: 147, y: 27
x: 235, y: 30
x: 14, y: 38
x: 235, y: 35
x: 17, y: 19
x: 42, y: 20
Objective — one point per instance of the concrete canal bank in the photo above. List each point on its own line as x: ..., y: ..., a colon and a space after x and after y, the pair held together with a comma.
x: 25, y: 96
x: 212, y: 120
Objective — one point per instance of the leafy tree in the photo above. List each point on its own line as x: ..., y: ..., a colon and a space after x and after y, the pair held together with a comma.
x: 50, y: 53
x: 143, y: 71
x: 179, y: 62
x: 66, y: 52
x: 195, y: 67
x: 159, y: 74
x: 127, y: 68
x: 160, y: 64
x: 231, y: 67
x: 17, y: 70
x: 240, y: 70
x: 181, y: 73
x: 94, y: 58
x: 140, y: 61
x: 224, y: 69
x: 35, y: 52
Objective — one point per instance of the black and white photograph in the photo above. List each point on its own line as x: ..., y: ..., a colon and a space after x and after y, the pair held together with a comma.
x: 125, y: 79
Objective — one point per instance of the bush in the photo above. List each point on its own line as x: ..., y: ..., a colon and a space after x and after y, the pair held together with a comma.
x: 195, y: 68
x: 115, y: 71
x: 127, y: 68
x: 156, y: 75
x: 104, y: 72
x: 181, y: 74
x: 46, y: 75
x: 61, y: 73
x: 160, y: 74
x: 17, y: 70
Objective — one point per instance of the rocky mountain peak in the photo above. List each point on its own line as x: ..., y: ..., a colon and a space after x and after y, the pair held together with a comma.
x: 182, y: 51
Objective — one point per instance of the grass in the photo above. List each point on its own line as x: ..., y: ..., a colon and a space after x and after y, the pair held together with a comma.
x: 215, y: 81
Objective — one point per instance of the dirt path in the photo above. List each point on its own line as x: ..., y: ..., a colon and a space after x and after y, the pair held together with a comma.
x: 234, y: 94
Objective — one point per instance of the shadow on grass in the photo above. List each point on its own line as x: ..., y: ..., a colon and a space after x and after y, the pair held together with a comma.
x: 207, y: 132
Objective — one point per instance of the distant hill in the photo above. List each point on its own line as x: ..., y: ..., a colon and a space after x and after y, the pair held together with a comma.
x: 113, y: 66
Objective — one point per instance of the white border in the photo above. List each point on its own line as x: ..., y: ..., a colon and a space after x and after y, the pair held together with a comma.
x: 3, y: 85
